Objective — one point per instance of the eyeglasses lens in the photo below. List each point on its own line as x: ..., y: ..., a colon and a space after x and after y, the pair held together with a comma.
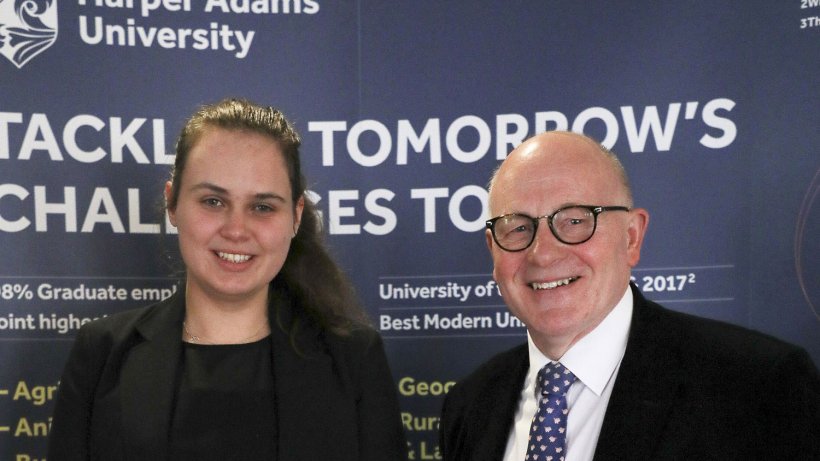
x: 571, y: 225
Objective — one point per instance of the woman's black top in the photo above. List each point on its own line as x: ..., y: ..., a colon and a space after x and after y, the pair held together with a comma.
x: 224, y: 406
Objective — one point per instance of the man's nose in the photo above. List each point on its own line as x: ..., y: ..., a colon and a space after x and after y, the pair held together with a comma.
x: 545, y: 245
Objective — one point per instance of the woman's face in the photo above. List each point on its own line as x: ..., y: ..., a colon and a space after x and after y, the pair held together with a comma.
x: 234, y: 214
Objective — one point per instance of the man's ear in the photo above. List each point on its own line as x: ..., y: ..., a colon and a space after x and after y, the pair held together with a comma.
x: 488, y: 237
x: 638, y: 222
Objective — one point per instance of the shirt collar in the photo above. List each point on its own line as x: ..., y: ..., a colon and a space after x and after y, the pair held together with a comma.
x: 596, y: 356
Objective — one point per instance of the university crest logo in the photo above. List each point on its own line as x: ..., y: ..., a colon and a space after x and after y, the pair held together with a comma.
x: 27, y: 28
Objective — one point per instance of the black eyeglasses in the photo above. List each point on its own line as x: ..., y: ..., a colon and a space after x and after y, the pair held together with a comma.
x: 571, y: 225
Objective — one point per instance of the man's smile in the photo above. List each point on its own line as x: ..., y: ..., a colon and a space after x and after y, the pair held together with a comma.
x: 553, y: 284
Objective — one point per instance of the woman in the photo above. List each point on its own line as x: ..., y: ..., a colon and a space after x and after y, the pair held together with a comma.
x: 264, y: 354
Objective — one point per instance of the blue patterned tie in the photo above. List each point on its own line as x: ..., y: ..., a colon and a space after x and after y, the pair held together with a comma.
x: 547, y: 441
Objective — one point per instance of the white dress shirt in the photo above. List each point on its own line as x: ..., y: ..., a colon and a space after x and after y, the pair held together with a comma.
x: 594, y: 360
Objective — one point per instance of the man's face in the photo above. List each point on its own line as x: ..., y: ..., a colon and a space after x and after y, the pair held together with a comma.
x: 544, y: 174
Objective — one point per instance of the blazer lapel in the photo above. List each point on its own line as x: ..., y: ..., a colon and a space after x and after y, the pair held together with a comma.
x: 648, y: 384
x: 149, y: 375
x: 313, y: 409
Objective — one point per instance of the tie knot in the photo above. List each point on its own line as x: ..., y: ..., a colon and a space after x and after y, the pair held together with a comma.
x: 554, y: 379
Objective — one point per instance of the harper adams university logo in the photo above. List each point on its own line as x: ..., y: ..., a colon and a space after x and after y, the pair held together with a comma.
x: 27, y: 28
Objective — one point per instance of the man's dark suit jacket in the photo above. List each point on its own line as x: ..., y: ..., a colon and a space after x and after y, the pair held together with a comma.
x: 335, y: 398
x: 687, y: 389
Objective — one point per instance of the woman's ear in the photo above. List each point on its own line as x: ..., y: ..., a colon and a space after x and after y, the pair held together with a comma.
x: 168, y: 193
x: 297, y: 214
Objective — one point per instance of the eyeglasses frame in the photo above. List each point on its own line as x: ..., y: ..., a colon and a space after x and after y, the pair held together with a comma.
x: 594, y: 209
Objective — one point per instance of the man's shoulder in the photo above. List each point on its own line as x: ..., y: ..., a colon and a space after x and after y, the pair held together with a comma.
x: 726, y: 377
x: 713, y: 340
x: 497, y: 371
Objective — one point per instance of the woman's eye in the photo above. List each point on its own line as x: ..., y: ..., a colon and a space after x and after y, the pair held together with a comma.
x: 212, y: 202
x: 263, y: 208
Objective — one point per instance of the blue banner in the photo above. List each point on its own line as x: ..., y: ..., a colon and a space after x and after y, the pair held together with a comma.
x: 405, y: 108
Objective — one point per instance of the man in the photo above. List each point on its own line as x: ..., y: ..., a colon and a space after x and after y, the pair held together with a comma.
x: 635, y: 381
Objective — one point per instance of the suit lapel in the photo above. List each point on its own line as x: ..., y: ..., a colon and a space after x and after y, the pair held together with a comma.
x: 493, y: 413
x: 648, y: 384
x: 149, y: 375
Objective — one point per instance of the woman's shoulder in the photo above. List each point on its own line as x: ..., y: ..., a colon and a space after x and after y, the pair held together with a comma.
x: 356, y: 337
x: 360, y: 351
x: 113, y: 323
x: 119, y: 325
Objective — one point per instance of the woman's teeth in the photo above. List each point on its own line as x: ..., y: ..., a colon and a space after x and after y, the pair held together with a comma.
x: 234, y: 258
